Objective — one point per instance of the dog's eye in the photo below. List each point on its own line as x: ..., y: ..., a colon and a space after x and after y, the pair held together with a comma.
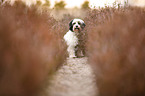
x: 74, y: 23
x: 79, y: 23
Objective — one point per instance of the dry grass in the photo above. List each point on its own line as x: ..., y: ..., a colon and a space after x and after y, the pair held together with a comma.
x: 30, y: 50
x: 116, y: 51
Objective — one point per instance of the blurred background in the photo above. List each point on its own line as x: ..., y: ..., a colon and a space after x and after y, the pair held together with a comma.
x: 59, y: 8
x: 77, y: 4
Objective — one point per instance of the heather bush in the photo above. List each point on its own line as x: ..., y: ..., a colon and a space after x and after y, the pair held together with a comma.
x: 30, y: 50
x: 116, y: 51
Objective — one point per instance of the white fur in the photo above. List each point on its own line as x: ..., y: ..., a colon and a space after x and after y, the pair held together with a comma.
x: 75, y: 20
x: 71, y: 40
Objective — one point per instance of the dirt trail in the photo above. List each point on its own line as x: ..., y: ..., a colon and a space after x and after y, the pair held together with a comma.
x: 75, y: 78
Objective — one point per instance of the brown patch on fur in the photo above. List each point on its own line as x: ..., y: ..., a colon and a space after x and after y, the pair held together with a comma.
x: 81, y: 47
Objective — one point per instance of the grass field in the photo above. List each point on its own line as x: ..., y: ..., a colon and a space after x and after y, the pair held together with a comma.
x: 32, y: 48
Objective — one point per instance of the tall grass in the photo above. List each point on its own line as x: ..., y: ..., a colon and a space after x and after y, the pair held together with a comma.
x: 116, y: 51
x: 30, y: 50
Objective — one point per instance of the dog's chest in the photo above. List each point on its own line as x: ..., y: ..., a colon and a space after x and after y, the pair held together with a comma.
x: 71, y: 38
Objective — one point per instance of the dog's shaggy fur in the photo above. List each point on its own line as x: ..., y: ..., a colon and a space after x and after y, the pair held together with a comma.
x: 75, y: 38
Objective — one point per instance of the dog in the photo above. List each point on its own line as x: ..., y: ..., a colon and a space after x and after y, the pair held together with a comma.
x: 75, y: 38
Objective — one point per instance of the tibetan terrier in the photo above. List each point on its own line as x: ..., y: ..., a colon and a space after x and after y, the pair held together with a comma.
x: 75, y: 38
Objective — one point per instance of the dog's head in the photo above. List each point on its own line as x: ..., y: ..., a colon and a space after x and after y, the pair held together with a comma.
x: 76, y: 25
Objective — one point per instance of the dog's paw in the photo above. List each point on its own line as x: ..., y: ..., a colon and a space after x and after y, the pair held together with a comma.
x: 72, y: 56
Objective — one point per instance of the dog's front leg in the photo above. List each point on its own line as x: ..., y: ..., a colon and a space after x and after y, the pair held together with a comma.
x: 71, y: 51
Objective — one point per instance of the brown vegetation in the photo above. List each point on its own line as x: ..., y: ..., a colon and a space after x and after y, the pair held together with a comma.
x: 116, y: 50
x: 30, y: 50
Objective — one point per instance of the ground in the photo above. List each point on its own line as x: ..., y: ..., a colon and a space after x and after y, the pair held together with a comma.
x: 74, y: 78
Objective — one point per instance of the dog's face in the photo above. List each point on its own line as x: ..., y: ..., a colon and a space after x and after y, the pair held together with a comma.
x: 76, y: 25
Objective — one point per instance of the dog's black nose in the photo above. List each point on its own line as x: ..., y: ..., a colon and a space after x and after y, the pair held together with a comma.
x: 77, y: 26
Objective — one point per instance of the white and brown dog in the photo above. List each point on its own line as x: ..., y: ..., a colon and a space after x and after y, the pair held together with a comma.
x: 75, y: 38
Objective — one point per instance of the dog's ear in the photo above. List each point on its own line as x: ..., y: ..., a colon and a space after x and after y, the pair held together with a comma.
x: 83, y: 25
x: 71, y: 26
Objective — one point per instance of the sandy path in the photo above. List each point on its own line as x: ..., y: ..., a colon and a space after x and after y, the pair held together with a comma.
x: 75, y: 78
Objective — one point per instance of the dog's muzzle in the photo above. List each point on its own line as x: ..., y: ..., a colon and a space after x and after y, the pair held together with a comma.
x: 77, y: 28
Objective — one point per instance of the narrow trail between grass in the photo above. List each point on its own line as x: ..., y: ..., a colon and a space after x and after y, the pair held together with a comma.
x: 74, y: 78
